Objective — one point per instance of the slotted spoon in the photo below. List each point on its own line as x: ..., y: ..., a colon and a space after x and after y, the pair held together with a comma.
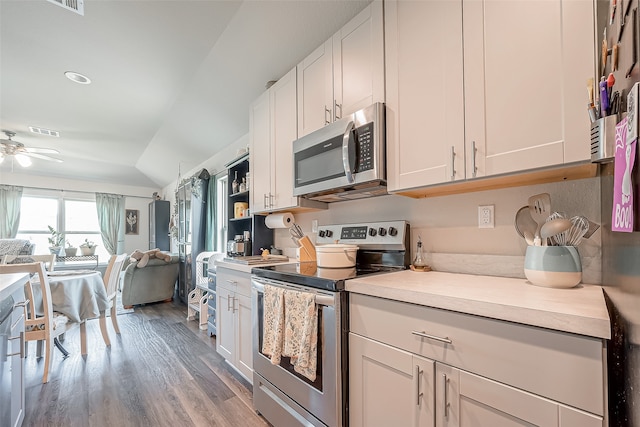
x: 540, y: 209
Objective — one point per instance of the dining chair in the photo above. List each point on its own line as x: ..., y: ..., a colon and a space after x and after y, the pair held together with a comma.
x: 111, y: 280
x: 49, y: 260
x: 49, y: 326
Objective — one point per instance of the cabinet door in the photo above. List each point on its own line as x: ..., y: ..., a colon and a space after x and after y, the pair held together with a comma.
x: 425, y: 102
x: 225, y: 340
x: 283, y: 133
x: 315, y: 90
x: 358, y: 62
x: 244, y: 361
x: 464, y: 399
x: 259, y: 153
x: 526, y: 64
x: 375, y: 369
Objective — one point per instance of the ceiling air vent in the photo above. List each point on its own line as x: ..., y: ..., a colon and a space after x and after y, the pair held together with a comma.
x: 76, y: 6
x: 43, y: 131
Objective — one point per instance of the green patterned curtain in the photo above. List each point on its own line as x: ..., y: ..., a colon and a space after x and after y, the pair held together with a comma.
x: 210, y: 237
x: 10, y: 198
x: 110, y: 209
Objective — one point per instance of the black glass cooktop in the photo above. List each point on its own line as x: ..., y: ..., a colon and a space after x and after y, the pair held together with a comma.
x: 309, y: 274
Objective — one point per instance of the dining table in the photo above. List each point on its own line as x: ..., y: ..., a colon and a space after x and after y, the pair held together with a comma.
x: 78, y: 294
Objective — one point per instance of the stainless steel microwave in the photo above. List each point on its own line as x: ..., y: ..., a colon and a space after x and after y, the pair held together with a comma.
x: 343, y: 160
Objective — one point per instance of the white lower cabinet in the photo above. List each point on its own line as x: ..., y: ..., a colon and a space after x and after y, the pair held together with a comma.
x: 233, y: 316
x: 388, y: 386
x: 391, y: 382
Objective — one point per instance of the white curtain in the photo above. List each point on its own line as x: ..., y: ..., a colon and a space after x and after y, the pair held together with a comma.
x: 111, y: 219
x: 10, y: 197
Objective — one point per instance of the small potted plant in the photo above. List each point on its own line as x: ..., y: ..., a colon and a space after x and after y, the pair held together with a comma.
x: 56, y: 242
x: 70, y: 250
x: 88, y: 247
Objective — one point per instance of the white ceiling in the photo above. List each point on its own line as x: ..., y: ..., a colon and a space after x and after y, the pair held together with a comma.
x: 172, y: 80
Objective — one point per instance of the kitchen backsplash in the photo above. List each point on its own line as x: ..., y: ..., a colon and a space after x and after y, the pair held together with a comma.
x: 449, y: 229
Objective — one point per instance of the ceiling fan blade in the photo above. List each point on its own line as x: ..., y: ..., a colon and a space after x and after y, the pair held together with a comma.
x: 43, y: 157
x: 41, y: 150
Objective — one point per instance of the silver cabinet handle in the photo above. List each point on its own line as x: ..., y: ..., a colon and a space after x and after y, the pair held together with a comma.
x: 235, y: 307
x: 416, y: 375
x: 327, y: 120
x: 231, y: 282
x: 432, y: 337
x: 453, y: 163
x: 229, y: 300
x: 271, y: 197
x: 21, y: 352
x: 266, y: 203
x: 445, y: 386
x: 474, y: 153
x: 335, y: 110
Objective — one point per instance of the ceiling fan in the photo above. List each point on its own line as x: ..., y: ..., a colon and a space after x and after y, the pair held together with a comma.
x: 23, y: 154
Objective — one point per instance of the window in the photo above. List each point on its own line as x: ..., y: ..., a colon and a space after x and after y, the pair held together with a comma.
x: 77, y: 219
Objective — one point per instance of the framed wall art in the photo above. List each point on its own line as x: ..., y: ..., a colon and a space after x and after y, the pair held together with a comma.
x: 132, y: 220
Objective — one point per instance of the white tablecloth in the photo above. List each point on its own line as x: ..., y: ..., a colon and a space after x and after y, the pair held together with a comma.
x: 79, y: 296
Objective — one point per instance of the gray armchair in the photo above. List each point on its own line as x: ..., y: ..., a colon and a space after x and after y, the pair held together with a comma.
x: 152, y: 283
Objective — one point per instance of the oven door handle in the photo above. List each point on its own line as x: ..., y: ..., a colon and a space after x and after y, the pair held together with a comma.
x: 349, y: 152
x: 325, y: 300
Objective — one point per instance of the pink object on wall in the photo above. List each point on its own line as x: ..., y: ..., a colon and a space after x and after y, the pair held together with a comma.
x: 622, y: 213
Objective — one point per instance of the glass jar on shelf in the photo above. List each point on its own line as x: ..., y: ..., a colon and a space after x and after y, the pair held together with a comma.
x: 243, y: 186
x: 235, y: 184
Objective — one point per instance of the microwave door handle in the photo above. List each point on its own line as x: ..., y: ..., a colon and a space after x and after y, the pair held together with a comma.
x: 348, y: 152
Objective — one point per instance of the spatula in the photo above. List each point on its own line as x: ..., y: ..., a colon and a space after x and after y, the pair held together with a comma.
x: 540, y: 209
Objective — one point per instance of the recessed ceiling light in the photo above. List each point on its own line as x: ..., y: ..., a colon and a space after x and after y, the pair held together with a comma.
x: 77, y: 77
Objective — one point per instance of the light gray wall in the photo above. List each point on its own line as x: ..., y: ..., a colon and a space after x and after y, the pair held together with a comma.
x: 449, y: 229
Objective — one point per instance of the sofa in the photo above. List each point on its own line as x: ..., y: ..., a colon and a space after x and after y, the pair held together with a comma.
x: 16, y: 247
x: 152, y: 283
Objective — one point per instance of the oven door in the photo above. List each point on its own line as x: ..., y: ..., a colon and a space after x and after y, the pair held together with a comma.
x: 282, y: 395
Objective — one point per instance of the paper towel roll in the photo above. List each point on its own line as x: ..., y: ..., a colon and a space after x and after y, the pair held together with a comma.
x: 283, y: 220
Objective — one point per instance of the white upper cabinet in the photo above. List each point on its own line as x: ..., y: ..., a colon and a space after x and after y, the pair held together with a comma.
x: 526, y: 67
x: 484, y: 87
x: 260, y: 153
x: 273, y: 128
x: 284, y: 131
x: 425, y: 100
x: 344, y: 74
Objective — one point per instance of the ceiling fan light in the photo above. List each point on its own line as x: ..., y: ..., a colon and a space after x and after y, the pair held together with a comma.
x: 23, y: 160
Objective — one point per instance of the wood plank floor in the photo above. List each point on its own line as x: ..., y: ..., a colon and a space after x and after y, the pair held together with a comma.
x: 161, y: 371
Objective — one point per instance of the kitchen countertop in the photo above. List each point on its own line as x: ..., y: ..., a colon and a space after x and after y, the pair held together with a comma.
x: 247, y: 268
x: 580, y: 310
x: 10, y: 282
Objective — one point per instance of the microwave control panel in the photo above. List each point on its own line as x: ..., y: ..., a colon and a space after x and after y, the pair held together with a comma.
x: 364, y: 135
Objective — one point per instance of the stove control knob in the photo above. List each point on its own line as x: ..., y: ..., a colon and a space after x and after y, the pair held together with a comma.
x: 329, y: 233
x: 321, y: 233
x: 372, y: 232
x: 393, y: 231
x: 382, y: 231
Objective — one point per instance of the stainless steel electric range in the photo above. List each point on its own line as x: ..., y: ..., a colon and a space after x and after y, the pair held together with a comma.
x: 283, y: 396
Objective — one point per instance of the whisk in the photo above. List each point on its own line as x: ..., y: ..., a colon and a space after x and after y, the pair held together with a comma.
x: 573, y: 236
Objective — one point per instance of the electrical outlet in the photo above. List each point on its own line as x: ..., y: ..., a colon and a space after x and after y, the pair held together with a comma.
x: 485, y: 216
x: 314, y: 226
